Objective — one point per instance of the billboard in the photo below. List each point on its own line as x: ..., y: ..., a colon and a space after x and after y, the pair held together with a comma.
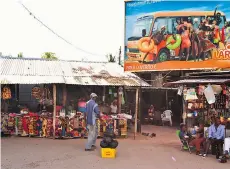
x: 176, y: 35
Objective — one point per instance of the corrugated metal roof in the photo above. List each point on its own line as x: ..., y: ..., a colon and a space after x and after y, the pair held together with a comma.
x: 38, y: 71
x: 187, y: 81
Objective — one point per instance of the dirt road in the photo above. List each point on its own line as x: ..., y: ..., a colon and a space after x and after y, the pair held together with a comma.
x: 161, y: 152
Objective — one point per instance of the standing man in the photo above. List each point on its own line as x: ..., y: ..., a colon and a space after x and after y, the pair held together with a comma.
x: 92, y: 112
x: 215, y: 137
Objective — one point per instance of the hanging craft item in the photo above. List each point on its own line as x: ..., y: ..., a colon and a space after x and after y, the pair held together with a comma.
x: 49, y: 127
x: 191, y: 94
x: 180, y: 90
x: 209, y: 94
x: 25, y: 126
x: 46, y: 98
x: 11, y: 123
x: 18, y: 124
x: 4, y: 123
x: 216, y: 89
x: 39, y: 126
x: 6, y: 93
x: 201, y: 90
x: 185, y: 92
x: 110, y: 91
x: 44, y: 127
x: 36, y: 92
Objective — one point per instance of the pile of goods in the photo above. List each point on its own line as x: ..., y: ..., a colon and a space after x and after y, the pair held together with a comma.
x: 72, y: 125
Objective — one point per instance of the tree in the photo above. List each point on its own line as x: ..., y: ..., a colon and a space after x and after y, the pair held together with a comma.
x: 49, y: 55
x: 111, y: 58
x: 20, y: 55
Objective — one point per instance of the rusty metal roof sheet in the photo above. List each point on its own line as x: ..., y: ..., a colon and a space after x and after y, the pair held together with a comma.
x: 38, y: 71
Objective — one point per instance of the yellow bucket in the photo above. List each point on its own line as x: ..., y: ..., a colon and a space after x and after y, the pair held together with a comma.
x: 108, y: 153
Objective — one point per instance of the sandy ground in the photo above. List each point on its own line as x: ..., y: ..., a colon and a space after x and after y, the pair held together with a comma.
x: 161, y: 152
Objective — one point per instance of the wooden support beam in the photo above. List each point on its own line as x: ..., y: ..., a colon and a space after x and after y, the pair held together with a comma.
x: 136, y: 112
x: 54, y: 109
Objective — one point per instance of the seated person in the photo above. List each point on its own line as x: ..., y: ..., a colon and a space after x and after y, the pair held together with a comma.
x: 183, y: 134
x: 151, y: 111
x: 215, y: 137
x: 113, y: 107
x: 199, y: 140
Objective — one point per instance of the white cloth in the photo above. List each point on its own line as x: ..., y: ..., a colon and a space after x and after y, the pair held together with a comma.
x: 209, y: 94
x: 113, y: 109
x: 227, y: 144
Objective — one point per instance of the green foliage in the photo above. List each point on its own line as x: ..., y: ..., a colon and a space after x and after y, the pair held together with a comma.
x: 20, y: 55
x: 111, y: 58
x: 49, y: 56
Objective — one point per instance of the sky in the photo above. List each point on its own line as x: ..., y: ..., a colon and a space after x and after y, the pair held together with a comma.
x: 95, y: 26
x: 134, y: 9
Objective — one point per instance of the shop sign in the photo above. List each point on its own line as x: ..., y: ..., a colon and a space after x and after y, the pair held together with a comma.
x: 158, y: 36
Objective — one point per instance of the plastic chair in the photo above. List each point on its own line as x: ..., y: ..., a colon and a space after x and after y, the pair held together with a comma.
x: 166, y: 116
x: 184, y: 144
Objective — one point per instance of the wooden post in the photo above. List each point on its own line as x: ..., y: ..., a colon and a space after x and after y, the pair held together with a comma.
x: 64, y: 96
x: 139, y: 110
x: 136, y: 112
x: 120, y: 92
x: 54, y: 112
x: 103, y: 96
x: 166, y: 98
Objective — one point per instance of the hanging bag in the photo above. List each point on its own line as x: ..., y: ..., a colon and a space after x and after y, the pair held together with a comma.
x: 209, y: 94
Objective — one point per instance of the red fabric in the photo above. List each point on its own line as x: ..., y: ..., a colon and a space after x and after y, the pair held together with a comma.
x: 24, y: 124
x: 197, y: 143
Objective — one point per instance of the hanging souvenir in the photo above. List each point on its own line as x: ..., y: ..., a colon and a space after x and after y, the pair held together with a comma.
x: 4, y: 122
x: 185, y: 92
x: 36, y: 92
x: 31, y: 127
x: 110, y: 91
x: 6, y: 93
x: 201, y: 90
x: 209, y: 94
x: 39, y: 126
x: 44, y: 127
x: 224, y: 89
x: 216, y: 89
x: 180, y: 90
x: 49, y: 127
x: 46, y: 98
x: 25, y: 127
x: 122, y: 100
x: 11, y: 124
x: 120, y: 90
x: 191, y: 94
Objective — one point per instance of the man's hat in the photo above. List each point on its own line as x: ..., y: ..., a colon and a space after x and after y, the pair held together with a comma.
x: 92, y: 95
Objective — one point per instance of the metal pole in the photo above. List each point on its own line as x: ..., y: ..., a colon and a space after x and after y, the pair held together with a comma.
x: 54, y: 108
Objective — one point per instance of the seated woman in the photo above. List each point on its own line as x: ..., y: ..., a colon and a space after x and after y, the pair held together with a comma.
x: 199, y: 140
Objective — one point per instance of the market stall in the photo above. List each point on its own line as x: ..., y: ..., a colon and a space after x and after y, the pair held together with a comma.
x: 204, y: 99
x: 68, y: 120
x: 51, y: 100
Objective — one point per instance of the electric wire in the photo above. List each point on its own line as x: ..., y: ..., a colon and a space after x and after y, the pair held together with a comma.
x: 59, y: 36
